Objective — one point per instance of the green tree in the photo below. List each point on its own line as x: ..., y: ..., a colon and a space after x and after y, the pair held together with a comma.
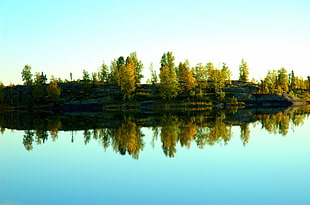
x: 226, y: 72
x: 201, y: 76
x: 37, y: 91
x: 27, y: 75
x: 244, y: 71
x: 86, y: 77
x: 40, y: 78
x: 154, y: 78
x: 28, y: 139
x: 138, y: 67
x: 103, y: 73
x: 86, y: 80
x: 113, y: 75
x: 53, y: 91
x: 94, y: 78
x: 169, y: 85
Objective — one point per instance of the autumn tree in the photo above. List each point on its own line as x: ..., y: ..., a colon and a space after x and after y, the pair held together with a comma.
x: 168, y: 78
x: 244, y: 71
x: 270, y: 82
x: 283, y: 80
x: 127, y: 75
x: 186, y: 76
x: 218, y: 77
x: 53, y: 91
x: 27, y: 75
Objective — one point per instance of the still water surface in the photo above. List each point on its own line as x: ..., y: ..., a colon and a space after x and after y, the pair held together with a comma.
x: 168, y: 159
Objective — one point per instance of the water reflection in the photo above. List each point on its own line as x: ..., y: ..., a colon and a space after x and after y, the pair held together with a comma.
x: 122, y: 131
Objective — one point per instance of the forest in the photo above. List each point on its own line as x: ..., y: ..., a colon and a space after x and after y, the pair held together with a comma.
x: 121, y: 81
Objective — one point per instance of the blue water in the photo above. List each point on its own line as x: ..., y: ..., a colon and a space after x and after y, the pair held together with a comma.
x: 270, y: 169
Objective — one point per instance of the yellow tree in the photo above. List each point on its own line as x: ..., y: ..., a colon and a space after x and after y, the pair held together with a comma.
x: 283, y: 79
x: 186, y: 76
x: 128, y: 78
x: 53, y: 91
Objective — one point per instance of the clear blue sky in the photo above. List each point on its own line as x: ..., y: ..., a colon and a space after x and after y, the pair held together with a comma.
x: 63, y: 36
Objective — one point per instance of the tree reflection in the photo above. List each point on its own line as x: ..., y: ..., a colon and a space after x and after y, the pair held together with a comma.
x: 275, y: 124
x: 53, y: 125
x: 28, y: 139
x: 123, y: 132
x: 188, y: 132
x: 169, y: 134
x: 245, y: 133
x: 216, y: 133
x: 127, y: 138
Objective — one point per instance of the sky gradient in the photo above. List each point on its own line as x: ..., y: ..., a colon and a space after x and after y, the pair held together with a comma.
x: 62, y: 37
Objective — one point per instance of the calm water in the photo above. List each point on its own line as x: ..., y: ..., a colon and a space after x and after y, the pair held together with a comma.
x: 225, y: 157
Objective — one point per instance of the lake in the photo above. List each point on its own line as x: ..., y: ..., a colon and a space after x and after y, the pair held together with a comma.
x: 245, y: 156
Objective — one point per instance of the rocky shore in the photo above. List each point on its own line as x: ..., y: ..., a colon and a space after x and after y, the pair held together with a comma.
x: 74, y: 97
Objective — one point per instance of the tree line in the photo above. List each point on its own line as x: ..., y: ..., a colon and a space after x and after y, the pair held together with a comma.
x: 173, y: 80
